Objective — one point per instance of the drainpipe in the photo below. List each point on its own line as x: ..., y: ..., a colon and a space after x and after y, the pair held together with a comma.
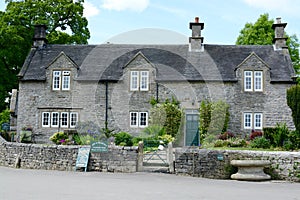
x: 106, y: 104
x: 157, y: 92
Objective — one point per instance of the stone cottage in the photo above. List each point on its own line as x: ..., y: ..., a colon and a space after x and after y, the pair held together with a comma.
x: 61, y: 85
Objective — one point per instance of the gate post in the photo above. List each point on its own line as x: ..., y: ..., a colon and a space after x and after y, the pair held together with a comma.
x: 140, y: 157
x: 170, y: 158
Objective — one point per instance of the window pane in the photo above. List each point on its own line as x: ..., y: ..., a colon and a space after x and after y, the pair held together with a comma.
x: 258, y: 77
x: 56, y: 80
x: 45, y: 119
x: 66, y: 80
x: 133, y: 119
x: 144, y: 80
x: 55, y: 118
x: 258, y: 121
x: 64, y: 119
x: 73, y: 119
x: 143, y: 119
x: 248, y: 81
x: 134, y: 80
x: 247, y: 120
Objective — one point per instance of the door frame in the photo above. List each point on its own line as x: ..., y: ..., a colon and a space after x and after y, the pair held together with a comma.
x: 190, y: 112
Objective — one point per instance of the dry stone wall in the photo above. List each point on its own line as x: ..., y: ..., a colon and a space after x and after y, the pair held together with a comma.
x: 216, y: 163
x: 59, y: 157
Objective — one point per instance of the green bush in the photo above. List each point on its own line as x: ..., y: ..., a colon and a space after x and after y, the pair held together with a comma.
x: 236, y: 142
x: 214, y: 118
x: 293, y: 101
x: 260, y: 142
x: 293, y: 141
x: 221, y: 143
x: 123, y: 139
x: 280, y: 135
x: 60, y: 138
x: 268, y: 133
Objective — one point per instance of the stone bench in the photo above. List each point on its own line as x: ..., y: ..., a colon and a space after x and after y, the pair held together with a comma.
x: 250, y: 170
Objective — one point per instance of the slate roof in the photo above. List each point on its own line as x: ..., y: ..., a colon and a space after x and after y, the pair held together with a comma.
x: 173, y: 62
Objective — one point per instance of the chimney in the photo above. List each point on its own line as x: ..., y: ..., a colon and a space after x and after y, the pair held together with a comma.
x: 39, y: 38
x: 196, y: 40
x: 279, y: 40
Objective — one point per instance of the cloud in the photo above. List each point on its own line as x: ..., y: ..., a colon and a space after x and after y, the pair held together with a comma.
x: 90, y: 10
x: 287, y: 6
x: 120, y: 5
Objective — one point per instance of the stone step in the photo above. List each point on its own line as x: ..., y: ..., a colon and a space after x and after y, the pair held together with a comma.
x: 156, y: 169
x: 155, y: 164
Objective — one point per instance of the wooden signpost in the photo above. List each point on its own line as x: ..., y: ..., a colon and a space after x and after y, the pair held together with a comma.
x: 82, y: 158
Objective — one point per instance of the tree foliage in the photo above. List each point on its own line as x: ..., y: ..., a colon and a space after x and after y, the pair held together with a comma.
x: 293, y: 101
x: 65, y: 25
x: 214, y: 118
x: 167, y: 115
x: 261, y: 33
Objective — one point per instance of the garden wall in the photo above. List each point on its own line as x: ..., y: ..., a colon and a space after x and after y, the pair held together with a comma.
x: 216, y: 163
x: 59, y: 157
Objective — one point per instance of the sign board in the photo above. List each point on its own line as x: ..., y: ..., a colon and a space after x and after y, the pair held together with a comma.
x: 83, y: 157
x: 5, y: 127
x: 101, y: 146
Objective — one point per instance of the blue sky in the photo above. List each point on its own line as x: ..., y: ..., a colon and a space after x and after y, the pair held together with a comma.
x: 167, y: 21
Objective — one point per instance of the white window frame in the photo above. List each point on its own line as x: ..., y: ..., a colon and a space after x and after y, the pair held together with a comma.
x: 246, y: 122
x: 46, y: 119
x: 253, y: 120
x: 144, y: 80
x: 62, y: 120
x: 139, y: 80
x: 247, y: 78
x: 140, y: 119
x: 71, y: 119
x: 52, y: 119
x: 258, y: 81
x: 134, y: 119
x: 134, y: 80
x: 56, y: 78
x: 256, y: 116
x: 65, y: 80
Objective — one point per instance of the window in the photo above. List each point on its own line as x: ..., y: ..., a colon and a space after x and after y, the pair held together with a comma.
x: 253, y: 120
x: 253, y: 81
x: 54, y: 119
x: 144, y: 81
x: 56, y: 80
x: 66, y: 80
x: 73, y: 120
x: 247, y: 120
x: 61, y: 80
x: 138, y: 119
x: 45, y: 119
x: 59, y: 119
x: 257, y: 121
x: 139, y: 80
x: 258, y: 81
x: 64, y: 120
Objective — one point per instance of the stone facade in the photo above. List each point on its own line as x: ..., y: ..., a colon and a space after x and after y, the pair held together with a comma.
x: 216, y: 163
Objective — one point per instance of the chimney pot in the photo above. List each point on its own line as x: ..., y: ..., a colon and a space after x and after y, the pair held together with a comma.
x: 278, y: 20
x: 196, y: 19
x: 39, y: 38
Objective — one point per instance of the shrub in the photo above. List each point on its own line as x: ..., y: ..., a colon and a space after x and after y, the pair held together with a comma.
x: 269, y: 133
x: 293, y: 141
x: 153, y: 131
x: 293, y: 101
x: 221, y: 143
x: 214, y: 118
x: 255, y: 134
x: 280, y: 135
x: 123, y: 139
x: 166, y: 139
x: 237, y: 142
x: 226, y: 135
x: 260, y: 142
x: 136, y: 140
x: 60, y: 138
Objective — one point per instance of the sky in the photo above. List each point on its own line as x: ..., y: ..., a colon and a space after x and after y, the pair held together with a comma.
x: 167, y: 21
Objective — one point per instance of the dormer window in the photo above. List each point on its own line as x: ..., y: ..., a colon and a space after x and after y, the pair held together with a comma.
x: 139, y: 80
x: 253, y: 81
x: 61, y: 80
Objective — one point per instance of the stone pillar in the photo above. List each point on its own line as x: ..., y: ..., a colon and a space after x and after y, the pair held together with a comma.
x: 140, y: 157
x: 170, y: 158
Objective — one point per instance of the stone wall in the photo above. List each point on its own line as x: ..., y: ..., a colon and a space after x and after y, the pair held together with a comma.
x: 58, y: 157
x: 216, y: 163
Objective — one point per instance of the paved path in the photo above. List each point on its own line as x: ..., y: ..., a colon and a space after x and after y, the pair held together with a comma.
x: 19, y: 184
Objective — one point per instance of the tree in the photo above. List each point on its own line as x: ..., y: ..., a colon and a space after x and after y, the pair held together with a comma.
x: 293, y: 101
x: 261, y: 33
x: 65, y: 25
